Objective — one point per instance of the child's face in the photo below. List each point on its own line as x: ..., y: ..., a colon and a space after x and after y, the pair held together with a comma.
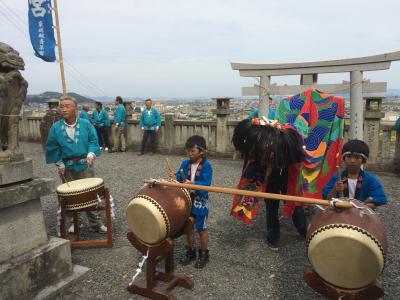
x: 194, y: 154
x: 353, y: 162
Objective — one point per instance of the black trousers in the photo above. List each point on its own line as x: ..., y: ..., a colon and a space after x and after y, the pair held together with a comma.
x: 103, y: 135
x: 273, y: 227
x: 278, y: 184
x: 152, y: 134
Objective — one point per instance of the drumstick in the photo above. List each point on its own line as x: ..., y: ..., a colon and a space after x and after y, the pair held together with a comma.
x: 169, y: 165
x: 339, y: 178
x: 182, y: 174
x: 216, y: 189
x: 65, y: 179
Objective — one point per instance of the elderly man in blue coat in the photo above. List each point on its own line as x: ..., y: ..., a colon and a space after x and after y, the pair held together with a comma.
x: 72, y: 145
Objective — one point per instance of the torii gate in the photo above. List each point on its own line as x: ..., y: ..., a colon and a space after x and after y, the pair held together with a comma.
x: 309, y: 77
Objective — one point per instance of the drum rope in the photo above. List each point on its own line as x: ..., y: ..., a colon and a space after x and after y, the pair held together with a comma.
x: 140, y: 267
x: 112, y: 206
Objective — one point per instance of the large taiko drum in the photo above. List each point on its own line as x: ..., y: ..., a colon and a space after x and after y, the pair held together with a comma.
x: 157, y: 212
x: 81, y: 193
x: 347, y: 247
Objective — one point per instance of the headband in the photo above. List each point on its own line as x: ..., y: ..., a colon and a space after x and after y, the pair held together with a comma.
x: 357, y: 153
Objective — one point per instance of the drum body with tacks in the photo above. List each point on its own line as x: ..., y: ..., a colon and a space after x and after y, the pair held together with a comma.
x: 81, y: 193
x: 158, y: 212
x: 347, y: 247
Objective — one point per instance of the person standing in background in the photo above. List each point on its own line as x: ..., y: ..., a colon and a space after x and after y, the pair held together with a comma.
x: 271, y: 112
x: 100, y: 121
x: 118, y: 126
x: 85, y: 112
x: 150, y: 122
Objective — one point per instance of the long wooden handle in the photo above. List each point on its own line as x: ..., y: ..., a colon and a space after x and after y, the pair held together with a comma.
x: 216, y: 189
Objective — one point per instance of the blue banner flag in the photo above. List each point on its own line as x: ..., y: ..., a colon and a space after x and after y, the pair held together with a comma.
x: 41, y: 29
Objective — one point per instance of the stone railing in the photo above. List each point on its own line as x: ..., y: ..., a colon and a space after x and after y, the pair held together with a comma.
x: 29, y: 129
x: 385, y: 146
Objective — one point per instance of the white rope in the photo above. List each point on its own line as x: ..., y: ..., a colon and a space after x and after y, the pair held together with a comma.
x: 140, y: 266
x: 112, y: 207
x: 99, y: 200
x: 58, y: 221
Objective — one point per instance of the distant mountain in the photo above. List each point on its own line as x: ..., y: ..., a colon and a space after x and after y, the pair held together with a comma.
x: 41, y: 98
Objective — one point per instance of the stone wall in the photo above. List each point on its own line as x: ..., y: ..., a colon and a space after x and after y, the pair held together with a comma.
x: 381, y: 137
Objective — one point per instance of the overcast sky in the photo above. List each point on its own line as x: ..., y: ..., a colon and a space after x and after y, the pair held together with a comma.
x: 155, y: 48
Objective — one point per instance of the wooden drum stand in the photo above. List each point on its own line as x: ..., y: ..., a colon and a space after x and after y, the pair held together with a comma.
x: 76, y: 242
x: 373, y: 291
x: 157, y: 252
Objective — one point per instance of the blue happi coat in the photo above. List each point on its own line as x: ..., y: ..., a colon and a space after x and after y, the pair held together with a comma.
x: 254, y: 113
x: 100, y: 119
x: 84, y: 115
x: 150, y: 119
x: 367, y: 186
x: 120, y: 115
x: 73, y: 153
x: 203, y: 177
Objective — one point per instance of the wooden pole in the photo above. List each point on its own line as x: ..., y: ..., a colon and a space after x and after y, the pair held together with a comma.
x: 216, y: 189
x: 60, y: 56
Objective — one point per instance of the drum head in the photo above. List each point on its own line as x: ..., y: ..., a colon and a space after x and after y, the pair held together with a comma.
x: 147, y: 219
x: 345, y: 256
x: 79, y: 186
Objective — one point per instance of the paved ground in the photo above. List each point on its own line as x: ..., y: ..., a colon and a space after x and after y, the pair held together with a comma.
x: 241, y: 266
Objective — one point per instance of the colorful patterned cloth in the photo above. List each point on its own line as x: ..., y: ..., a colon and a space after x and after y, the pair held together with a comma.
x: 318, y: 117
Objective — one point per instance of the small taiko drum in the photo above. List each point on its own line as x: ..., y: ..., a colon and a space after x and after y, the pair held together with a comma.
x: 158, y: 212
x: 81, y: 193
x: 347, y: 247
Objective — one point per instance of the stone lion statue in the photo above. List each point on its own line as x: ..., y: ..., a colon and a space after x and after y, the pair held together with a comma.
x: 13, y: 88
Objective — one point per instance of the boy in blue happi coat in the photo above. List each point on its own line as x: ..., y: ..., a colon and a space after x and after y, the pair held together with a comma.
x: 72, y: 145
x: 196, y: 170
x: 356, y: 183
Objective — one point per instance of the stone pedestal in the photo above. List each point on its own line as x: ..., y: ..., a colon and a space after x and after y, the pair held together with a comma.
x: 31, y: 264
x: 12, y: 172
x: 40, y: 273
x: 22, y: 226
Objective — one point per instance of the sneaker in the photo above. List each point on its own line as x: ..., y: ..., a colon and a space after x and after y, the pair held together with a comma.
x: 203, y: 259
x: 105, y: 149
x: 102, y: 229
x: 190, y: 256
x: 273, y: 246
x: 71, y: 228
x: 99, y: 228
x: 101, y: 148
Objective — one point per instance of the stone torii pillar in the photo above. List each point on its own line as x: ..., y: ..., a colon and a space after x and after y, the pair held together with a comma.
x: 356, y: 106
x: 263, y: 106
